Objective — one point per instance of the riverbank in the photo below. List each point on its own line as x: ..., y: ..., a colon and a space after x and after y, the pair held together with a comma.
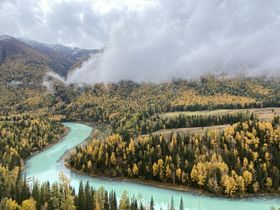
x: 46, y: 167
x: 46, y: 147
x: 170, y: 186
x: 95, y: 127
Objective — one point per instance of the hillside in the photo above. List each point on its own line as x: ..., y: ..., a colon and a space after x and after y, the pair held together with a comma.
x: 25, y: 63
x: 56, y: 58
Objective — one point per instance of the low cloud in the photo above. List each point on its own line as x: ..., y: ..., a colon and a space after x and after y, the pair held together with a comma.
x: 49, y: 79
x: 154, y: 40
x: 187, y: 39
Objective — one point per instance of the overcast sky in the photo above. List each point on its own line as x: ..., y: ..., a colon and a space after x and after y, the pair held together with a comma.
x: 81, y: 23
x: 155, y: 40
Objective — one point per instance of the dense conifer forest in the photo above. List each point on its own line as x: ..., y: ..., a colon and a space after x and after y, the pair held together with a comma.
x: 243, y: 158
x: 240, y: 158
x: 22, y: 136
x: 139, y: 105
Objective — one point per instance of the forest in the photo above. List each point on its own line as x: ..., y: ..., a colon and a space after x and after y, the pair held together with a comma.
x: 243, y: 158
x: 240, y: 159
x: 23, y: 135
x: 139, y: 105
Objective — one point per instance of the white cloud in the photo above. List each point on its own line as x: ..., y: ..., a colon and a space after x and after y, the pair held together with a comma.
x: 106, y: 6
x: 186, y: 39
x: 82, y: 23
x: 155, y: 40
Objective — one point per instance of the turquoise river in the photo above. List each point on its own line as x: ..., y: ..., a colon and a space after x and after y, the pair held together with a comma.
x: 46, y: 166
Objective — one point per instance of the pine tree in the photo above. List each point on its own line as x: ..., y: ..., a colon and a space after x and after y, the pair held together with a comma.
x: 115, y: 203
x: 172, y: 204
x: 112, y: 201
x: 106, y: 201
x: 36, y: 194
x: 88, y: 197
x: 152, y: 207
x: 67, y: 201
x: 81, y: 198
x: 141, y: 206
x: 25, y: 191
x: 124, y: 201
x: 181, y: 204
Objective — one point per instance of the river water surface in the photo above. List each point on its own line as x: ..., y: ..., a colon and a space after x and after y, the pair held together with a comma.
x: 47, y: 165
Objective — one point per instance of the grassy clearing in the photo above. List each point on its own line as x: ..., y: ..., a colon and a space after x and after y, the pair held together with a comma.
x: 212, y: 112
x: 265, y: 114
x: 199, y: 130
x: 262, y: 113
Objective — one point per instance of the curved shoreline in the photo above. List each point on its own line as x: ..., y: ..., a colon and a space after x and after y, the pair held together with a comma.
x: 49, y: 171
x: 173, y: 187
x: 67, y: 130
x: 169, y: 186
x: 67, y: 152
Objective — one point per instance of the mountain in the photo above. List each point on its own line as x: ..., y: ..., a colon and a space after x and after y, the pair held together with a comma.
x: 24, y: 65
x: 55, y: 57
x: 62, y: 58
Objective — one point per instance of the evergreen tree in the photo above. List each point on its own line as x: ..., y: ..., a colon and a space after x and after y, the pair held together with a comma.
x: 181, y: 204
x: 152, y: 207
x: 36, y: 194
x: 106, y: 201
x: 88, y: 197
x: 113, y: 201
x: 124, y: 201
x: 81, y: 197
x: 172, y: 207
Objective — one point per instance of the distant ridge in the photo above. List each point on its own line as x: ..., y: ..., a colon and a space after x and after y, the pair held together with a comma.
x: 58, y: 58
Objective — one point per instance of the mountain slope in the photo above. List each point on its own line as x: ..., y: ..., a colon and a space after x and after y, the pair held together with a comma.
x: 57, y: 58
x: 24, y: 65
x: 62, y: 58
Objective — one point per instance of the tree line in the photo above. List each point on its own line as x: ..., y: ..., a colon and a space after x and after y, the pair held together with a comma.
x: 123, y: 100
x: 142, y: 125
x: 20, y: 136
x: 244, y: 158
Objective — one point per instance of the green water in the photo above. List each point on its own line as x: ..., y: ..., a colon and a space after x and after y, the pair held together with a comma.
x: 48, y: 164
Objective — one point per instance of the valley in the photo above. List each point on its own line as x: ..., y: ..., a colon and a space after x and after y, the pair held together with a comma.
x: 212, y: 140
x: 145, y: 190
x: 139, y: 105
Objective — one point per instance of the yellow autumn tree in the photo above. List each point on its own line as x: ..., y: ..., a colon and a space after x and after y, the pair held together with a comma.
x: 113, y: 159
x: 29, y: 204
x: 229, y: 185
x: 199, y: 173
x: 135, y: 169
x: 248, y: 177
x: 8, y: 204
